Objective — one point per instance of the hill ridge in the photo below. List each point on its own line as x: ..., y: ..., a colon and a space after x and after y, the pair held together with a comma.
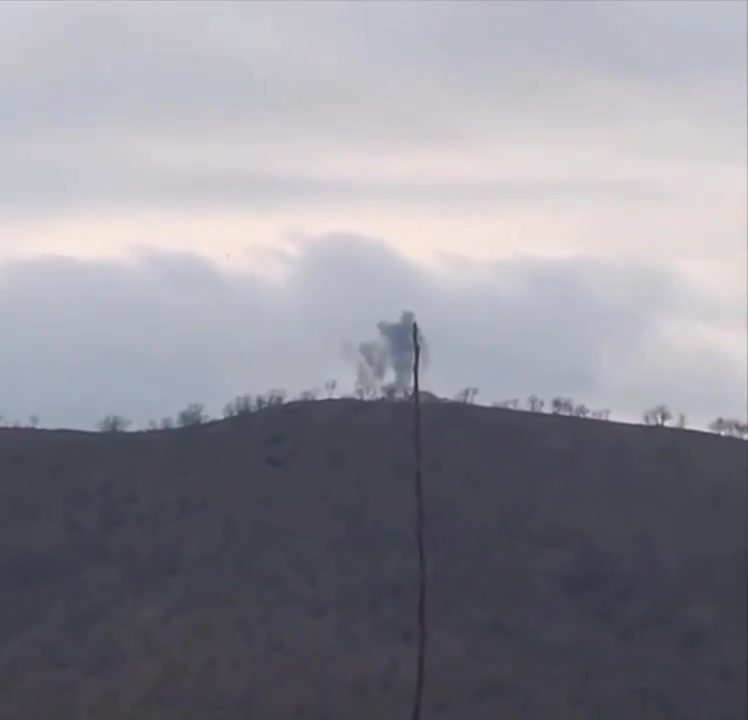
x: 263, y: 566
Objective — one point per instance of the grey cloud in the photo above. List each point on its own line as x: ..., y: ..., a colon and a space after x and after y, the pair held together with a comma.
x: 192, y: 69
x: 361, y: 76
x: 381, y: 75
x: 52, y: 186
x: 82, y: 339
x: 195, y: 61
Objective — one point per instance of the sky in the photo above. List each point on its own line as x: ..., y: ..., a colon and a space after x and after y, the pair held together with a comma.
x: 204, y: 199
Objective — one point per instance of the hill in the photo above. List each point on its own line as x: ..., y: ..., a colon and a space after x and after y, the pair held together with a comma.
x: 263, y: 567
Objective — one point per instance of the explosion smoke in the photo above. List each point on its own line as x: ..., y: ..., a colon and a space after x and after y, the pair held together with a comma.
x: 391, y: 351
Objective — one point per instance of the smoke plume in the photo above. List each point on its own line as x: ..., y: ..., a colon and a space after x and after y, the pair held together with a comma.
x: 385, y: 364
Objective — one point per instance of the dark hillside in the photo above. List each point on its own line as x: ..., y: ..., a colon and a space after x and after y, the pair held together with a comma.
x: 264, y: 568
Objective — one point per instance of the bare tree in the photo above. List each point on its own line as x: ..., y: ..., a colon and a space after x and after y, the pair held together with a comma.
x: 271, y: 397
x: 663, y: 414
x: 682, y: 421
x: 535, y: 404
x: 330, y: 387
x: 562, y: 406
x: 113, y: 423
x: 730, y: 427
x: 581, y: 411
x: 33, y: 421
x: 601, y: 414
x: 467, y: 395
x: 240, y: 405
x: 719, y: 425
x: 276, y: 396
x: 308, y: 395
x: 659, y: 415
x: 193, y: 414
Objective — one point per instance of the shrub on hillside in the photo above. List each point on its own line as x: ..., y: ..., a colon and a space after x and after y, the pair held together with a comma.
x: 658, y: 415
x: 113, y: 423
x: 193, y: 414
x: 730, y: 427
x: 240, y: 405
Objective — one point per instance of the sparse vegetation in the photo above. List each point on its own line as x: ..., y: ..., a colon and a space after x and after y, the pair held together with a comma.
x: 581, y: 411
x: 658, y: 415
x: 535, y: 404
x: 113, y: 423
x: 562, y: 406
x: 213, y: 577
x: 193, y: 414
x: 270, y: 398
x: 730, y: 427
x: 467, y: 395
x: 240, y: 405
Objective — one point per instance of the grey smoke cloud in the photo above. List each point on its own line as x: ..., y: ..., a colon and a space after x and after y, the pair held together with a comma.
x: 391, y: 353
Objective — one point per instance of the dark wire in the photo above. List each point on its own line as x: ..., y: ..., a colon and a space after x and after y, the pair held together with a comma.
x: 419, y: 526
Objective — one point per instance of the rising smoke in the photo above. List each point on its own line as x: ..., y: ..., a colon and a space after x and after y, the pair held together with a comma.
x: 390, y: 355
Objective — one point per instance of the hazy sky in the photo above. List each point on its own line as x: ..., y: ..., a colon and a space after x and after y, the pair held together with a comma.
x: 203, y: 199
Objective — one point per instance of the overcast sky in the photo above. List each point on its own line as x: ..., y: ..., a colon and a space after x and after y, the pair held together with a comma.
x: 209, y: 198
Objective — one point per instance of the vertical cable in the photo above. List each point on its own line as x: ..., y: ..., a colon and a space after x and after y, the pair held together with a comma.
x: 419, y: 525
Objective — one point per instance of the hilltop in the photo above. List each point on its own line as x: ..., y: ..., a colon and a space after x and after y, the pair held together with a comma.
x: 263, y: 567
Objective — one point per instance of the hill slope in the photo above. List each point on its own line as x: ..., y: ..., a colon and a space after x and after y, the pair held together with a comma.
x: 264, y: 567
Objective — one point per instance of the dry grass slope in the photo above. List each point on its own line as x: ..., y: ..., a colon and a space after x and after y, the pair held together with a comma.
x: 264, y: 568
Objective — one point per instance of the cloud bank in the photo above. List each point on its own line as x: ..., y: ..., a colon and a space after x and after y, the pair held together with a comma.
x: 590, y: 127
x: 143, y: 338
